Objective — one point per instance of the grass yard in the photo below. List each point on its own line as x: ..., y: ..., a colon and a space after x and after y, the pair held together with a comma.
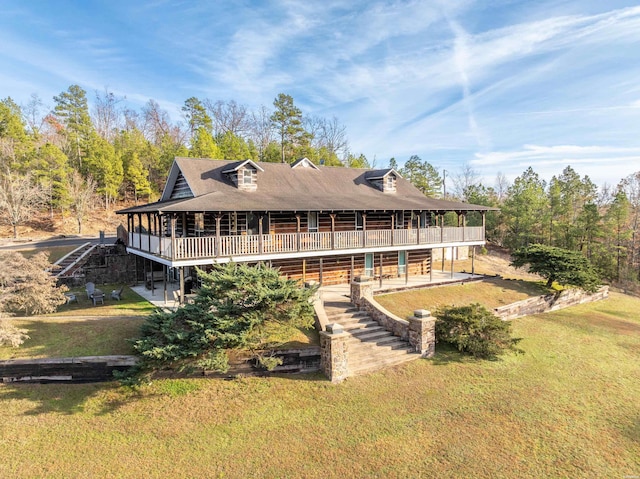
x: 132, y: 304
x: 492, y: 293
x: 82, y: 329
x: 54, y: 252
x: 568, y: 407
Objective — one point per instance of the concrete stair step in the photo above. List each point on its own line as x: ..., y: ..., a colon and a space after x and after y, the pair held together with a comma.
x: 375, y: 365
x: 339, y: 318
x: 371, y: 335
x: 362, y: 324
x: 382, y: 345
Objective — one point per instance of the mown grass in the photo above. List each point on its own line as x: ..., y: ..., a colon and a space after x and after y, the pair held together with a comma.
x: 68, y: 337
x: 568, y: 407
x: 491, y: 292
x: 82, y: 329
x: 54, y: 252
x: 131, y: 304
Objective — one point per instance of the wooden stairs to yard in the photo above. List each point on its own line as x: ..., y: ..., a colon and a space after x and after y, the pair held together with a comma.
x: 69, y: 264
x: 371, y: 347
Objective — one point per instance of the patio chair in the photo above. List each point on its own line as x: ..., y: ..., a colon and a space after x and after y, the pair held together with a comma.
x: 117, y: 293
x: 97, y: 296
x: 90, y: 289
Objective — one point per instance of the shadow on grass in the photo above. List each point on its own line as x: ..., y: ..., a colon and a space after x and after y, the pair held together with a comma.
x: 69, y: 398
x: 532, y: 288
x: 447, y: 354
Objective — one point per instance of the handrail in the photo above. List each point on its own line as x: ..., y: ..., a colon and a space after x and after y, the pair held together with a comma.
x: 245, y: 245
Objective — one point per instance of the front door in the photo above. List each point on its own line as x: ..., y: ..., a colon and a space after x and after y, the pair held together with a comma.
x: 368, y: 264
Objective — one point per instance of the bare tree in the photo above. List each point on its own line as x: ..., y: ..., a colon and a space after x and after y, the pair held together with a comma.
x: 155, y: 122
x: 83, y: 197
x: 261, y: 131
x: 20, y: 198
x: 229, y: 116
x: 107, y: 114
x: 334, y: 136
x: 501, y: 185
x: 464, y: 181
x: 34, y: 113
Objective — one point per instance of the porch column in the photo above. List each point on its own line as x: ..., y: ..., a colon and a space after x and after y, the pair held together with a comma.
x: 149, y: 231
x: 364, y: 230
x: 419, y: 225
x: 320, y: 273
x: 430, y: 265
x: 406, y: 267
x: 441, y: 228
x: 181, y: 284
x: 333, y: 230
x: 380, y: 270
x: 453, y: 251
x: 464, y: 224
x: 297, y: 231
x: 260, y: 245
x: 483, y: 224
x: 172, y: 219
x: 393, y: 228
x: 473, y: 258
x: 352, y: 268
x: 218, y: 218
x: 164, y: 281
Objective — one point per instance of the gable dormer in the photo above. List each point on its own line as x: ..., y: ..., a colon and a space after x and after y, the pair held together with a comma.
x: 384, y: 180
x: 244, y: 175
x: 304, y: 163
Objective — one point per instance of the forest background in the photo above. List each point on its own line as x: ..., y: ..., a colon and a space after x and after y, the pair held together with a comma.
x: 69, y: 161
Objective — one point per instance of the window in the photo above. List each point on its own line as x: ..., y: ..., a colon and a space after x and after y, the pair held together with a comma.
x: 312, y: 219
x: 359, y: 221
x: 198, y: 223
x: 247, y: 177
x: 390, y: 183
x: 402, y: 263
x: 368, y: 264
x: 252, y: 224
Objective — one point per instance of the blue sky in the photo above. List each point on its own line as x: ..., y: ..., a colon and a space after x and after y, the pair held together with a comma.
x: 498, y: 86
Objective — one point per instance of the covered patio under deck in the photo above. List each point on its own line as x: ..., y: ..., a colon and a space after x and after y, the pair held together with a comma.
x: 327, y: 293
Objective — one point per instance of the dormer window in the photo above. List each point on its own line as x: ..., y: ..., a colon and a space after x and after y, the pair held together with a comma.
x: 244, y: 175
x: 384, y: 180
x: 247, y: 176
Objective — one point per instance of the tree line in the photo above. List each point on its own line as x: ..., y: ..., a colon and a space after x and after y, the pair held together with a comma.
x: 64, y: 157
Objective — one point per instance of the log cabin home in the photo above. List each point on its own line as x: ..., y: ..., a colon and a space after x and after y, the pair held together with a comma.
x: 314, y: 223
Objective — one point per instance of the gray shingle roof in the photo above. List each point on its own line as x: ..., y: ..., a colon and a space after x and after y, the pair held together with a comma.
x: 282, y: 188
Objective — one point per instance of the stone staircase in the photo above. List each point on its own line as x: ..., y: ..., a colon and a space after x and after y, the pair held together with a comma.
x: 371, y: 347
x: 68, y: 264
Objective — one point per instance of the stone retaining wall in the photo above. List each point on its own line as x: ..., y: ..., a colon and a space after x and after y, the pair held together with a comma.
x: 549, y: 302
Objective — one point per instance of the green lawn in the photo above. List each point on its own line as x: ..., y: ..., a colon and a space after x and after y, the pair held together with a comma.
x: 82, y: 329
x: 568, y: 407
x: 491, y: 292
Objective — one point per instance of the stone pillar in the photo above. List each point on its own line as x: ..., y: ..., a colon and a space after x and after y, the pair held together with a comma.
x: 334, y: 353
x: 422, y: 332
x: 361, y: 286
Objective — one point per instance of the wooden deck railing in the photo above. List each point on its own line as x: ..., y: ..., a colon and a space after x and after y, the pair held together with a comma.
x: 244, y: 245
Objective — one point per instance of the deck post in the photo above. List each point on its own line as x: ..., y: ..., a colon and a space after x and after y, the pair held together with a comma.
x: 172, y: 219
x: 431, y: 266
x: 364, y: 230
x: 473, y: 257
x: 320, y: 274
x: 352, y: 268
x: 260, y: 246
x: 406, y: 267
x: 218, y: 220
x: 453, y: 251
x: 483, y: 224
x: 464, y: 224
x: 181, y: 284
x: 418, y: 232
x: 380, y: 270
x: 333, y: 230
x: 297, y: 231
x: 149, y: 231
x: 164, y: 281
x: 393, y: 228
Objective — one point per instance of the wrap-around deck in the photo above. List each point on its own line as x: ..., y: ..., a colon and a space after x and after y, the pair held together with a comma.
x: 259, y: 245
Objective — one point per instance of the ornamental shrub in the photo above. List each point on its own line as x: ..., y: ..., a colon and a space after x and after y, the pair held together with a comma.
x: 475, y: 330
